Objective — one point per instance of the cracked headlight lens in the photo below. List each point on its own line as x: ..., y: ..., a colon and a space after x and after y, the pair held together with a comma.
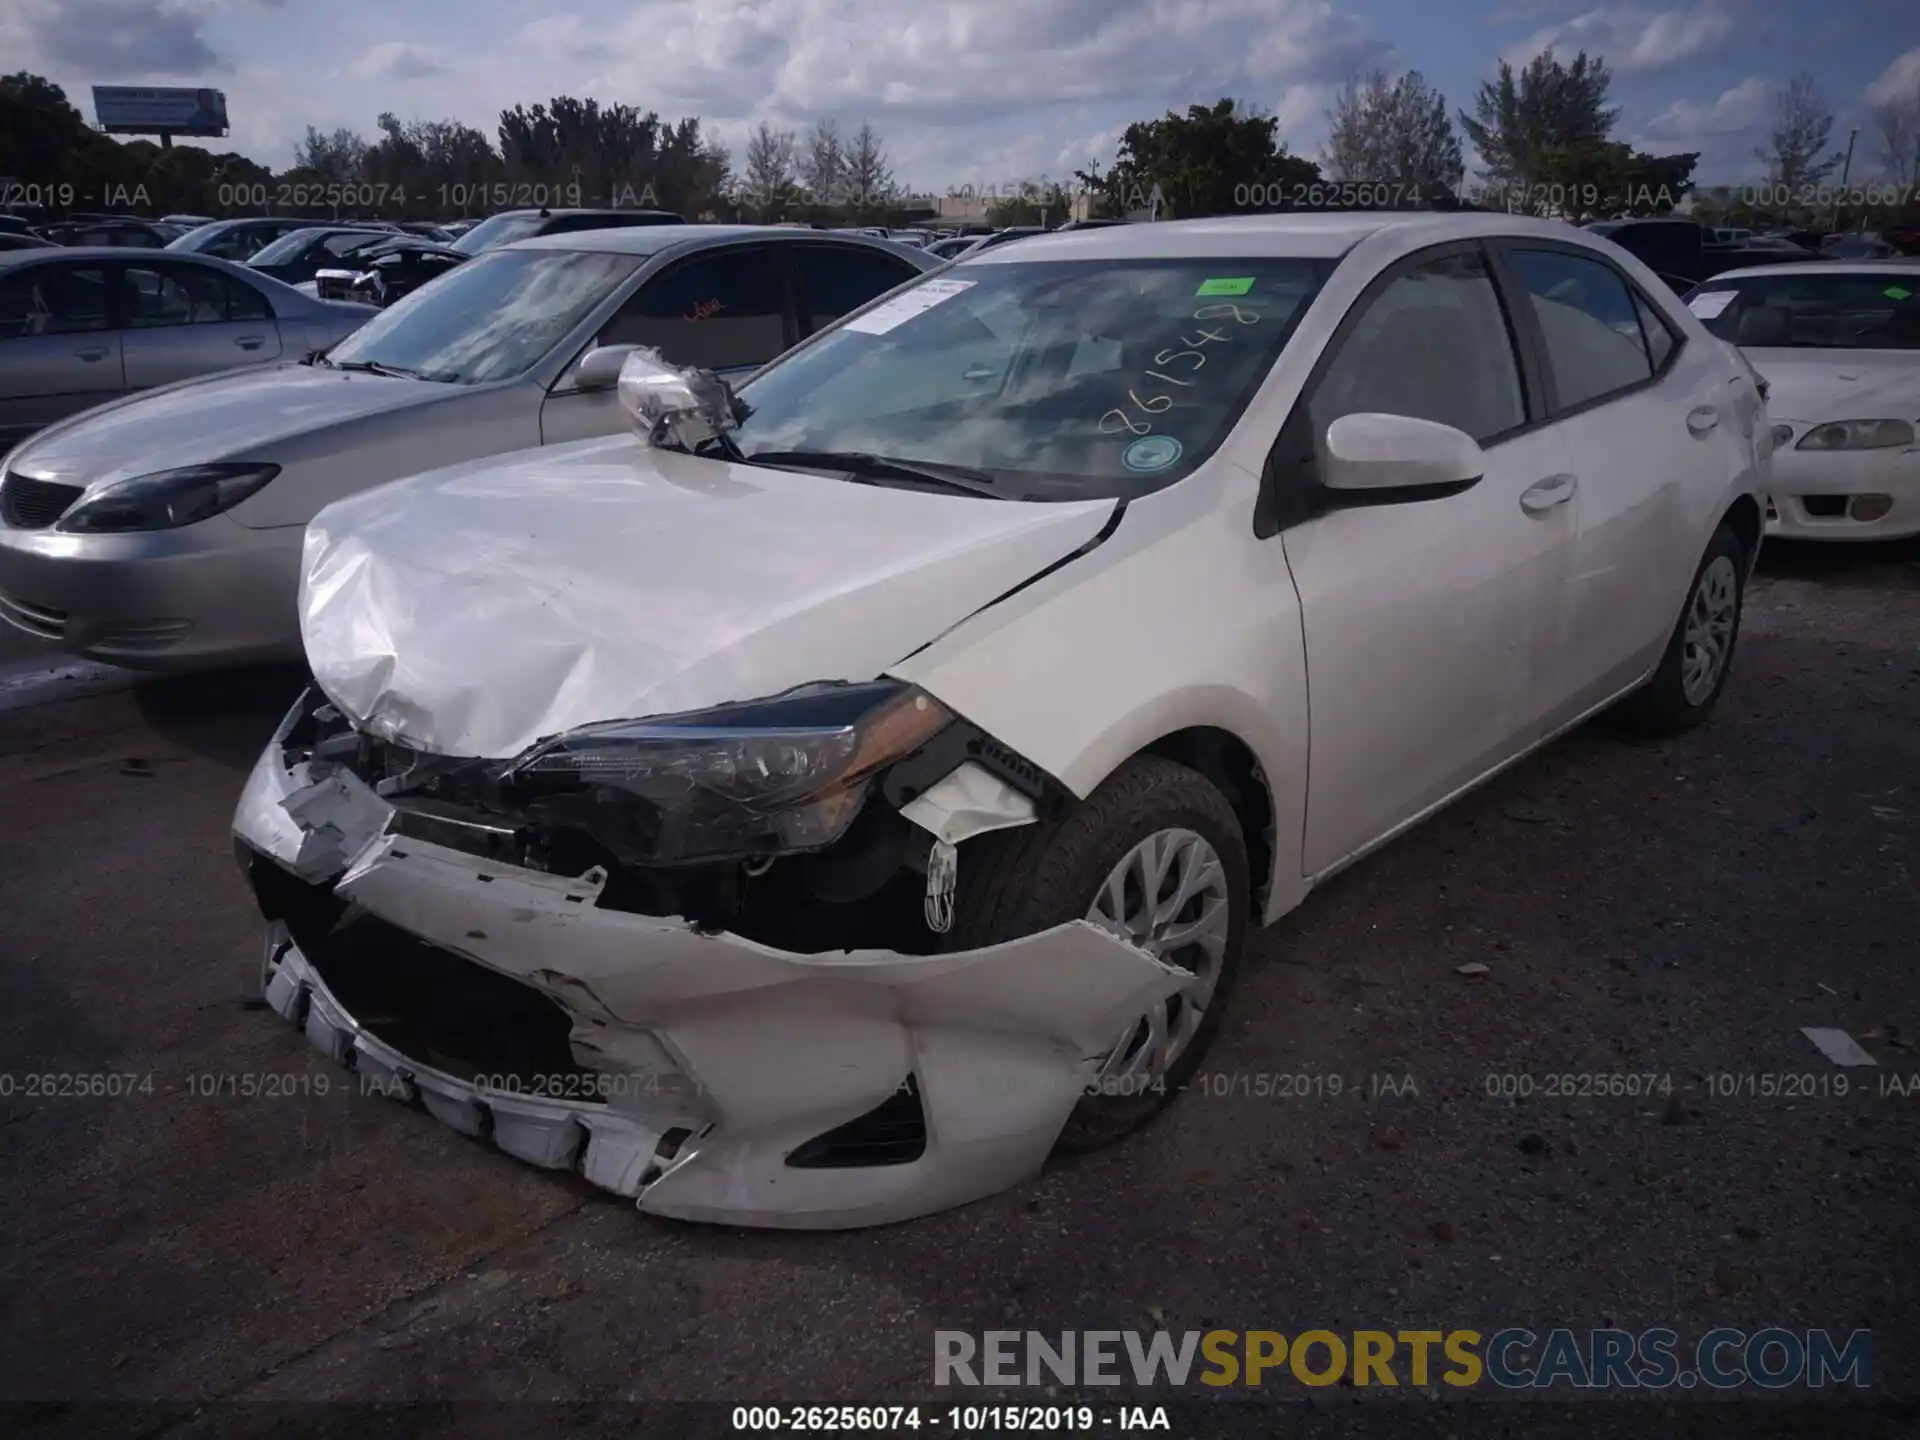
x: 1858, y: 435
x: 166, y: 499
x: 783, y: 774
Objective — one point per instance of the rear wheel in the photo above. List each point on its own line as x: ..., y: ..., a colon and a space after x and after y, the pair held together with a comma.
x: 1156, y: 855
x: 1699, y: 654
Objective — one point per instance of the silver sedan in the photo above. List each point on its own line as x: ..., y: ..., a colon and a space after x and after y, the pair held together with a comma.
x: 82, y: 326
x: 164, y: 531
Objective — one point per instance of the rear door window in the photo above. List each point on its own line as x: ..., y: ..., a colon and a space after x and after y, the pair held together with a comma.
x: 719, y: 310
x: 834, y: 280
x: 53, y: 300
x: 163, y: 295
x: 1587, y: 317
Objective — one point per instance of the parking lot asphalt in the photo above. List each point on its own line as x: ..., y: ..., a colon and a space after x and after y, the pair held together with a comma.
x: 1679, y: 909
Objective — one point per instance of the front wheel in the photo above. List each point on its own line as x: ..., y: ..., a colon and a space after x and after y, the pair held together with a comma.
x: 1699, y: 654
x: 1156, y: 854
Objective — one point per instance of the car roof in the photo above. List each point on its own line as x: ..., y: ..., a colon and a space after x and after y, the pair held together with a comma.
x: 1282, y: 236
x: 656, y: 239
x: 1886, y: 265
x: 129, y: 254
x: 557, y: 212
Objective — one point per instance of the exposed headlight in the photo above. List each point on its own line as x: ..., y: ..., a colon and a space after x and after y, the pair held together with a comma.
x: 166, y: 499
x: 1858, y: 435
x: 738, y: 781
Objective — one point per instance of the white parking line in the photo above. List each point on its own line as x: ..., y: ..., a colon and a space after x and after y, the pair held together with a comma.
x: 1838, y: 1046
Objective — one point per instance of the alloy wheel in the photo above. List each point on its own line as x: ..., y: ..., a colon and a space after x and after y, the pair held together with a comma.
x: 1169, y: 896
x: 1708, y: 638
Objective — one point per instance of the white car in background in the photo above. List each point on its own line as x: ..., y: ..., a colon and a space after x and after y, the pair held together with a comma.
x: 811, y: 810
x: 1838, y: 343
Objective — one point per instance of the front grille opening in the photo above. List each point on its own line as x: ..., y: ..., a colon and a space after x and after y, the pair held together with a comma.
x: 894, y: 1132
x: 1825, y: 507
x: 445, y: 1011
x: 309, y: 911
x: 29, y: 504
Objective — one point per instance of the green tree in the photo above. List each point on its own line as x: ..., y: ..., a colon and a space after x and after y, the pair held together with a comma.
x: 1602, y: 178
x: 334, y: 156
x: 1519, y: 121
x: 1395, y: 133
x: 1214, y: 160
x: 1796, y: 150
x: 766, y: 185
x: 1037, y: 202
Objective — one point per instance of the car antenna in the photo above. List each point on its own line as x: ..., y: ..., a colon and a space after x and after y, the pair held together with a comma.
x: 545, y: 213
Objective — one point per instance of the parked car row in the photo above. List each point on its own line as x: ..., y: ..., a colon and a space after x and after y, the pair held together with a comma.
x: 164, y: 530
x: 1839, y: 345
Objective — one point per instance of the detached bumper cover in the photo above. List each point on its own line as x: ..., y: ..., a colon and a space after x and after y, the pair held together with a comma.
x: 723, y: 1056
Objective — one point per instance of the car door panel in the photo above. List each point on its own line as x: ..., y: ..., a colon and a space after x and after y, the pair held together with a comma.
x: 1646, y: 421
x: 58, y: 354
x: 1434, y: 632
x: 1433, y: 628
x: 185, y: 321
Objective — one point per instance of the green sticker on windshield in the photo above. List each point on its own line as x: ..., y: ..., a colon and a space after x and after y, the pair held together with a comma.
x: 1897, y: 292
x: 1238, y: 285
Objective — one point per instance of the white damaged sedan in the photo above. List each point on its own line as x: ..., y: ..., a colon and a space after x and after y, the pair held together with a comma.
x: 816, y: 807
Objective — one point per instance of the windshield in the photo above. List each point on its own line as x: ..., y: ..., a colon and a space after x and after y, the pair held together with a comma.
x: 1060, y: 380
x: 490, y: 319
x: 197, y: 237
x: 290, y: 246
x: 1859, y: 311
x: 498, y: 230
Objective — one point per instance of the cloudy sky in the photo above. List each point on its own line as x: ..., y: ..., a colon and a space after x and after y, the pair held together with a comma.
x: 981, y: 92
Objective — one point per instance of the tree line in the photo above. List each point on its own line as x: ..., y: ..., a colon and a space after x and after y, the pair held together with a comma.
x: 1544, y: 134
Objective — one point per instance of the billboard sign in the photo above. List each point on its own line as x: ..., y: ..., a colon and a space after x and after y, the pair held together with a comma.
x: 143, y: 110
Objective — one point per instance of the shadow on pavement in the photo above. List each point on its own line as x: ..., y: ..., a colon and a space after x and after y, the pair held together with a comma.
x: 1868, y: 562
x: 226, y: 715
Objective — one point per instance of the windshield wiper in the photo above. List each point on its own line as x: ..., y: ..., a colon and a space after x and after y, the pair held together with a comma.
x: 865, y: 466
x: 374, y: 367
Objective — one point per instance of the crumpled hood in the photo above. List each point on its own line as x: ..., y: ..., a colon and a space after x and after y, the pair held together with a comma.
x: 1813, y: 386
x: 237, y: 414
x: 473, y: 610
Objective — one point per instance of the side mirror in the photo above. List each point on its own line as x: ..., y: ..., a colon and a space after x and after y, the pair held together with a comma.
x: 672, y: 407
x: 599, y: 368
x: 1395, y: 457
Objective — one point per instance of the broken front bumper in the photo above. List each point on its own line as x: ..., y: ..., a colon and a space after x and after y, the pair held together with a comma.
x: 729, y: 1081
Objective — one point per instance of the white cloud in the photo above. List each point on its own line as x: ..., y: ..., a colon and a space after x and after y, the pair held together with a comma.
x: 397, y: 60
x: 1630, y: 38
x: 980, y: 90
x: 110, y: 41
x: 1899, y: 81
x: 1736, y: 110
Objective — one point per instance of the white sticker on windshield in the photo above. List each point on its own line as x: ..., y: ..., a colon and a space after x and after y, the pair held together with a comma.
x: 1709, y: 303
x: 902, y: 308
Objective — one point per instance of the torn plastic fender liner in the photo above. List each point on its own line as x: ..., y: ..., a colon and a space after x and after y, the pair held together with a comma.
x: 313, y: 828
x: 784, y: 1046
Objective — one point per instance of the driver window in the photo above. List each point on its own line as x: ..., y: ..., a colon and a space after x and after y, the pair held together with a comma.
x: 1433, y: 345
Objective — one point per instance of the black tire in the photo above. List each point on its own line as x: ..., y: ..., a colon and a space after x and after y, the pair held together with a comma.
x: 1662, y: 706
x: 1018, y: 882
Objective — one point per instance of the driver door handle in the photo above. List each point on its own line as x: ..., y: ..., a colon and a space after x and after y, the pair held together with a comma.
x: 1548, y: 494
x: 92, y: 353
x: 250, y: 342
x: 1702, y: 418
